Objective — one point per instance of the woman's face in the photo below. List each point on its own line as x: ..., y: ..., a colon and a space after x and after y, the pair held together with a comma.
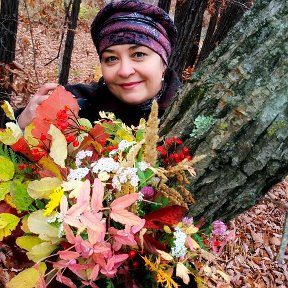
x: 132, y: 72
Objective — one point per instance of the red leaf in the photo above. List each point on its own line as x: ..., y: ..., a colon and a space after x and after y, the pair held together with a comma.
x: 46, y: 112
x: 164, y: 216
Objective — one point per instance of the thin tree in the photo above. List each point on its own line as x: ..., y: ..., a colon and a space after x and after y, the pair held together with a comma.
x: 69, y: 43
x: 165, y: 5
x: 8, y: 32
x: 189, y: 19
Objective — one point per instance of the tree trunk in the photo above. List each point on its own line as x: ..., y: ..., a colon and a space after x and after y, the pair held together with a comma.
x: 8, y: 32
x: 165, y: 5
x: 241, y: 92
x: 66, y: 60
x: 188, y: 20
x: 221, y: 23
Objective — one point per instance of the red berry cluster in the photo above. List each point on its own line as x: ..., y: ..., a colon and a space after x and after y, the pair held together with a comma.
x: 171, y: 153
x: 62, y: 124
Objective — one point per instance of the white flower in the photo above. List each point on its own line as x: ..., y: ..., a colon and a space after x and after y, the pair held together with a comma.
x: 77, y: 174
x: 124, y: 144
x: 179, y: 249
x: 105, y: 164
x: 143, y: 165
x: 123, y: 175
x: 81, y: 155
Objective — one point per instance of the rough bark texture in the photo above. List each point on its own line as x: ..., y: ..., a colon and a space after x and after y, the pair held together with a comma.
x: 66, y: 60
x: 165, y: 5
x: 8, y: 32
x: 188, y: 20
x: 220, y: 24
x: 242, y: 90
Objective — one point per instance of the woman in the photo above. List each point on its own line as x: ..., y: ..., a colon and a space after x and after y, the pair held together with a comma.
x: 134, y: 41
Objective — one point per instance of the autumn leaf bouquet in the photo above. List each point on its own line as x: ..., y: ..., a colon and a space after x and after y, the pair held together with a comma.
x: 102, y: 204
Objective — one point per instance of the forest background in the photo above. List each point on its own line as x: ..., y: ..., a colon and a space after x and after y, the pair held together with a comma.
x: 251, y: 260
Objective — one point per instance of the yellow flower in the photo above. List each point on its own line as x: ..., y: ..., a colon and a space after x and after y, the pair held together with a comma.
x: 55, y: 198
x: 161, y: 276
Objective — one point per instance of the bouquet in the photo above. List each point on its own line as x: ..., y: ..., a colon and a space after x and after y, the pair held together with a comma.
x: 101, y: 205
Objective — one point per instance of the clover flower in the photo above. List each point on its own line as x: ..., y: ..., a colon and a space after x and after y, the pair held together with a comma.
x: 218, y: 227
x: 179, y: 249
x: 147, y: 192
x: 187, y: 220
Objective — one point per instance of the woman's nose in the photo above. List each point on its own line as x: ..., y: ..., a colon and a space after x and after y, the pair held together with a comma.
x: 126, y: 68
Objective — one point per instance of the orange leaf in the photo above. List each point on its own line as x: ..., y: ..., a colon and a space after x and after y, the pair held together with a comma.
x: 47, y: 111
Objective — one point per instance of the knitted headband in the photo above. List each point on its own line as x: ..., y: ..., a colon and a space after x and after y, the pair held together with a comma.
x: 134, y: 22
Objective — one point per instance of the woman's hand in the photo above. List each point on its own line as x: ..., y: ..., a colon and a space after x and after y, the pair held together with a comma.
x: 29, y: 112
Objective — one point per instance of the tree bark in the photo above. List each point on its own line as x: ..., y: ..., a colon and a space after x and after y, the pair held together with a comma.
x: 241, y: 94
x: 221, y: 23
x: 8, y: 32
x: 66, y: 60
x: 188, y: 20
x: 165, y: 5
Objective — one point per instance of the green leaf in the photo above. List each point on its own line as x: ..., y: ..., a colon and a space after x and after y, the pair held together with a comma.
x: 8, y: 223
x: 20, y: 196
x: 7, y: 169
x: 4, y: 189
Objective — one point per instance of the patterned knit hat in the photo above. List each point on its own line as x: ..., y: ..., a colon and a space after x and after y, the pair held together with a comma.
x: 134, y: 22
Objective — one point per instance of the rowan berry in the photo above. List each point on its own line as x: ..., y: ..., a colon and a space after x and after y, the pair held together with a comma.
x: 75, y: 143
x: 43, y: 137
x: 70, y: 138
x: 132, y: 254
x: 135, y: 264
x: 185, y: 150
x: 169, y: 142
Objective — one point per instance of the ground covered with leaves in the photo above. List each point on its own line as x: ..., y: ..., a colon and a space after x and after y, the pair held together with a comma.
x: 250, y: 261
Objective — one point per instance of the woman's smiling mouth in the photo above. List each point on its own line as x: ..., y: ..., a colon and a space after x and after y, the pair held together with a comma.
x: 129, y: 85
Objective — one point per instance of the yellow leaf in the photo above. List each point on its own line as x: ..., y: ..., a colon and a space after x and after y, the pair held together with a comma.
x: 4, y: 186
x: 42, y: 188
x: 165, y: 255
x: 58, y: 149
x: 31, y: 140
x: 124, y: 135
x: 8, y: 110
x: 11, y: 134
x: 38, y: 224
x: 167, y: 229
x: 183, y: 272
x: 50, y: 165
x: 8, y: 222
x: 28, y: 278
x: 7, y: 169
x: 73, y: 187
x: 28, y: 242
x: 191, y: 230
x: 41, y: 251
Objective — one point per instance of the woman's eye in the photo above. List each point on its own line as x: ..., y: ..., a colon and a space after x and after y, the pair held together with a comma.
x: 110, y: 59
x: 139, y: 55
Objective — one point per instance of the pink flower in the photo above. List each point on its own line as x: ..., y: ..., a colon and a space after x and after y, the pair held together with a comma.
x: 148, y: 192
x: 218, y: 228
